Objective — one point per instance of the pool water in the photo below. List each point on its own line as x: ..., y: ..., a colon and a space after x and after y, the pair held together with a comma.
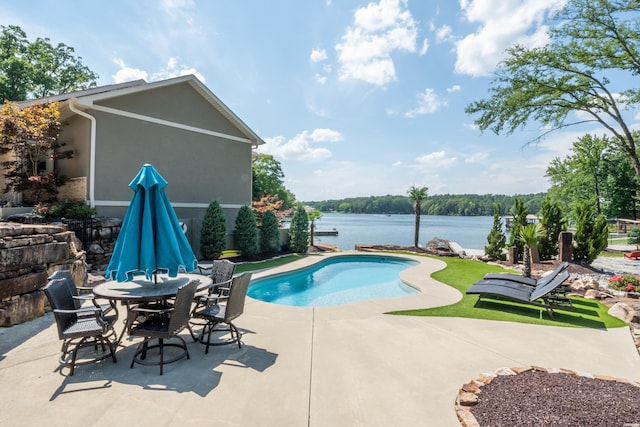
x: 334, y: 281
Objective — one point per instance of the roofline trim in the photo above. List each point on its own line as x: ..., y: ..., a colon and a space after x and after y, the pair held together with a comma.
x: 163, y: 122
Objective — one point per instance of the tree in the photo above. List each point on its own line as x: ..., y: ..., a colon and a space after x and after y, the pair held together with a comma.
x: 592, y: 234
x: 528, y: 235
x: 38, y: 69
x: 213, y: 231
x: 270, y: 234
x: 519, y: 212
x: 267, y: 180
x: 313, y: 216
x: 496, y: 239
x: 633, y: 237
x: 30, y: 135
x: 417, y: 195
x: 552, y: 224
x: 246, y: 232
x: 299, y: 230
x: 593, y: 39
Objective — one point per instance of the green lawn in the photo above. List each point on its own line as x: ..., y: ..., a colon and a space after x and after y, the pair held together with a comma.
x: 462, y: 273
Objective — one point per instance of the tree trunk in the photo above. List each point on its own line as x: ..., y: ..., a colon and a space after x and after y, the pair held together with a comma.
x: 416, y: 232
x: 313, y: 229
x: 526, y: 261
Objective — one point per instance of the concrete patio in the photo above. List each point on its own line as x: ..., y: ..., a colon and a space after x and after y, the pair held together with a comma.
x: 349, y: 365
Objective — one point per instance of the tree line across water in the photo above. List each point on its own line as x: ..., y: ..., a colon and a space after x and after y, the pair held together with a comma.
x: 440, y: 204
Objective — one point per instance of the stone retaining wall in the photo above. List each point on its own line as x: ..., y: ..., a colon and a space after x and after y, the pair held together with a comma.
x: 29, y: 254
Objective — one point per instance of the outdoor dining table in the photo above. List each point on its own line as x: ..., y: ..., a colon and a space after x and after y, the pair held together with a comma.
x: 144, y: 291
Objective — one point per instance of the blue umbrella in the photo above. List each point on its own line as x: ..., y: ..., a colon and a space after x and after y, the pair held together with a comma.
x: 151, y: 239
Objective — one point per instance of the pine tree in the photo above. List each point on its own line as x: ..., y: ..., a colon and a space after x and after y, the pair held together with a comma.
x: 299, y: 230
x: 246, y: 233
x: 519, y: 212
x: 213, y: 231
x: 552, y: 225
x: 592, y: 234
x: 496, y: 238
x: 270, y: 235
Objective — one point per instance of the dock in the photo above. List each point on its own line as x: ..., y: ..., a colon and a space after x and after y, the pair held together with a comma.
x: 332, y: 232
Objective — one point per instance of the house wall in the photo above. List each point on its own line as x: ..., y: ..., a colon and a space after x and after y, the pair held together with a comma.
x: 198, y: 166
x: 76, y: 135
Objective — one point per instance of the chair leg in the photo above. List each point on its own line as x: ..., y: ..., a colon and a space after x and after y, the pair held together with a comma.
x: 161, y: 343
x: 233, y: 329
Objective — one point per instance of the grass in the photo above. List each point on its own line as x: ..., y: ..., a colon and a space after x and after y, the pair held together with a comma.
x: 462, y: 273
x: 270, y: 263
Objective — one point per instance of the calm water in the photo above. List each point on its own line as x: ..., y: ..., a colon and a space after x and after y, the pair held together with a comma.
x: 335, y: 281
x: 470, y: 232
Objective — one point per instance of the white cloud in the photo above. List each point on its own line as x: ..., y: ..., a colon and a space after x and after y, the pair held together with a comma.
x: 502, y: 23
x: 443, y: 34
x: 299, y: 147
x: 318, y: 55
x: 127, y: 74
x: 476, y: 158
x: 454, y: 88
x: 172, y: 69
x: 379, y: 29
x: 428, y: 102
x: 175, y: 69
x: 320, y: 79
x: 437, y: 159
x: 425, y: 47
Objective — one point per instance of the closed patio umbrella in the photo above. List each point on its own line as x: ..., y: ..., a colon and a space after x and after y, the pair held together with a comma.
x: 151, y: 239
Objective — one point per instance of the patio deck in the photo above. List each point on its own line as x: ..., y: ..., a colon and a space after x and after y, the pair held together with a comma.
x: 341, y: 366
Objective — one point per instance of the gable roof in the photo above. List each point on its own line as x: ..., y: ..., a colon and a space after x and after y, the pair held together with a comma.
x: 86, y: 98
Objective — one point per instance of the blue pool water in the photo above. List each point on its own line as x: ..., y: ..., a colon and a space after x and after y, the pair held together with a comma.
x: 334, y: 281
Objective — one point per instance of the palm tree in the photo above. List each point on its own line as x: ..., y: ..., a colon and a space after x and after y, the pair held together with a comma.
x: 417, y: 196
x: 313, y: 216
x: 529, y: 236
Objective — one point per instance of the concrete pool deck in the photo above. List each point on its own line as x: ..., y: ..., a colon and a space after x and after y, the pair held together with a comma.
x: 329, y: 366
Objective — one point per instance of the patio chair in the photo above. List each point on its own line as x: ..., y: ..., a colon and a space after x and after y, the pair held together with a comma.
x: 83, y: 296
x: 222, y: 271
x: 215, y: 314
x: 504, y: 289
x: 163, y: 324
x: 78, y: 327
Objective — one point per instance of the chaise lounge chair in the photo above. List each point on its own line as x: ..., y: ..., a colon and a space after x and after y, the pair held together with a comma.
x: 528, y: 280
x: 542, y: 296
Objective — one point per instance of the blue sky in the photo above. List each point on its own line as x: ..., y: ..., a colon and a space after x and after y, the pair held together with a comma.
x: 354, y: 98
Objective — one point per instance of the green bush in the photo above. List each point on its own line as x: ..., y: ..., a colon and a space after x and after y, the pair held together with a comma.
x: 633, y: 236
x: 213, y: 231
x: 270, y: 236
x: 592, y: 234
x: 299, y: 230
x: 246, y: 233
x: 496, y: 239
x: 68, y: 209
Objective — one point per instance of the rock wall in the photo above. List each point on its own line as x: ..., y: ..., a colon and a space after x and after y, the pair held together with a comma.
x: 29, y: 254
x: 103, y: 239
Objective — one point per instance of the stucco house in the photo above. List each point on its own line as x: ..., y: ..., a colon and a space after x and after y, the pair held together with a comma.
x: 178, y: 125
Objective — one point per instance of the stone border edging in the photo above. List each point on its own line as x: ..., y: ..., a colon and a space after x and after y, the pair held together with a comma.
x: 468, y: 394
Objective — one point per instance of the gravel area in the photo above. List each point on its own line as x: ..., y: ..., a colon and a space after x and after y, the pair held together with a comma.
x: 535, y: 398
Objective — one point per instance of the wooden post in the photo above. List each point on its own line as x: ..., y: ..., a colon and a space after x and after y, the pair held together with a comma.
x: 513, y: 255
x: 565, y: 252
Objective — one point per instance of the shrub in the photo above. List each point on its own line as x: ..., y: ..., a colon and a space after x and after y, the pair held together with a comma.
x: 69, y: 209
x: 625, y: 282
x: 496, y: 239
x: 246, y: 233
x: 592, y: 234
x: 270, y: 236
x: 299, y: 230
x: 633, y: 236
x: 213, y: 231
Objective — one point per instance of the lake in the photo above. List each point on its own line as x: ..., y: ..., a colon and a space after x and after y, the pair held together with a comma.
x: 470, y: 232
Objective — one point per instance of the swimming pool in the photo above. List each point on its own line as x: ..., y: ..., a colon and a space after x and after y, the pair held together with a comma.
x: 334, y: 281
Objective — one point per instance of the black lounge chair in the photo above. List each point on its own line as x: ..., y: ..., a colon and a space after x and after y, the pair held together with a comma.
x: 528, y: 280
x: 504, y: 289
